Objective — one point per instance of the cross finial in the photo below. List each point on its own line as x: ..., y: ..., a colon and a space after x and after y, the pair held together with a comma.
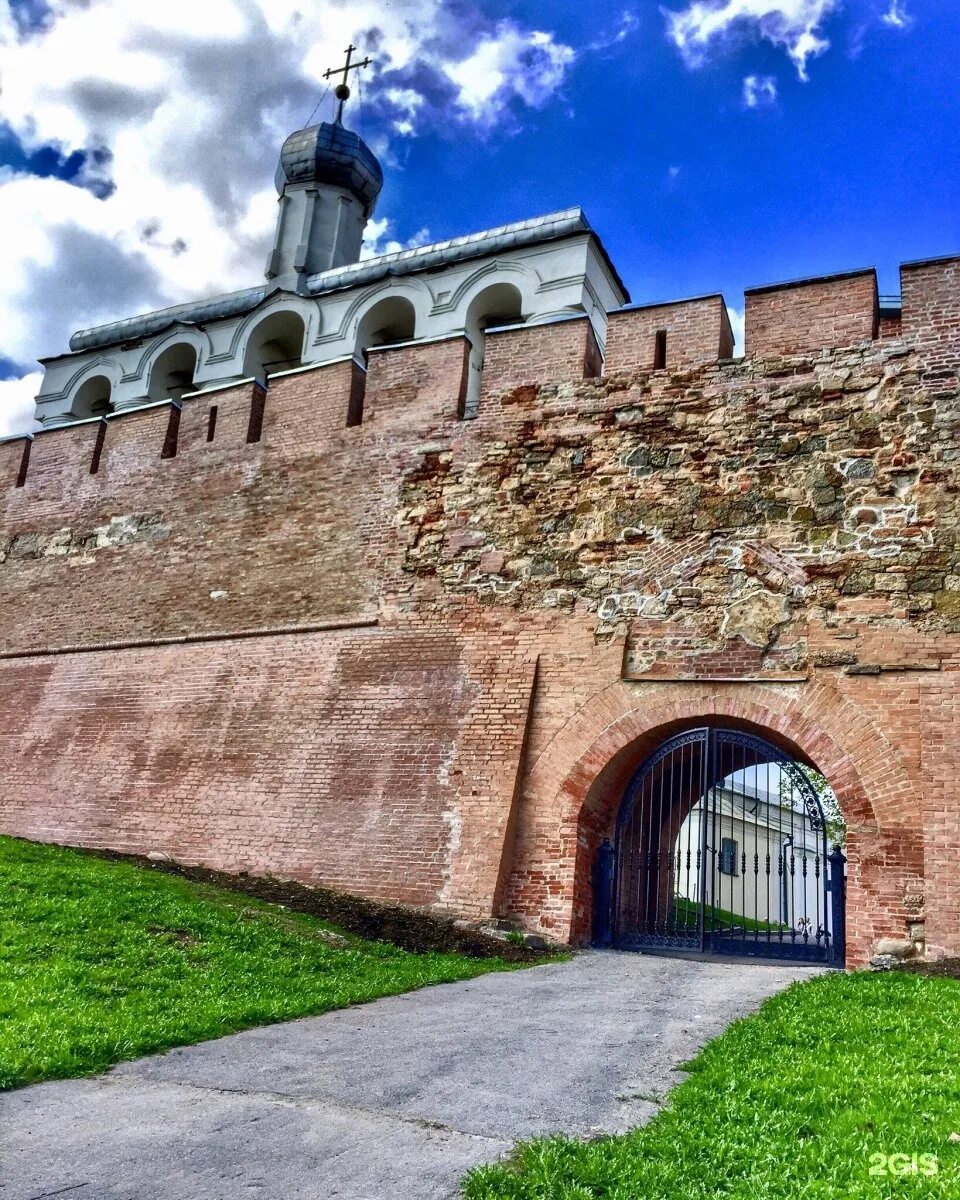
x: 342, y: 90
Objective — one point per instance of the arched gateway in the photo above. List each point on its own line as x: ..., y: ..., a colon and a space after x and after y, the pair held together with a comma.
x: 722, y: 846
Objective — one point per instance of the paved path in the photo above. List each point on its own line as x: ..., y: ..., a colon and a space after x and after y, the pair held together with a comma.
x: 393, y: 1100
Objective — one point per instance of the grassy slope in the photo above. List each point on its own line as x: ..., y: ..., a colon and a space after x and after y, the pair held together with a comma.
x: 789, y: 1103
x: 687, y: 913
x: 104, y: 961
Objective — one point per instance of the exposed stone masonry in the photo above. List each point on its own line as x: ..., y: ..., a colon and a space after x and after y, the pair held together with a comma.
x: 743, y: 501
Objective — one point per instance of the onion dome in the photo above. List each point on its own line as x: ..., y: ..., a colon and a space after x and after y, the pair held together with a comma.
x: 328, y: 153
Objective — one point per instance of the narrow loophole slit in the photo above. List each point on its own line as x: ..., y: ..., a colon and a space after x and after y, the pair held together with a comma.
x: 98, y: 447
x: 660, y: 350
x: 24, y: 463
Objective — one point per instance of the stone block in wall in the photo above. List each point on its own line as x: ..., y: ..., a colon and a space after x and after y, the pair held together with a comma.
x: 690, y: 333
x: 931, y: 310
x: 811, y: 315
x: 529, y: 355
x: 416, y: 381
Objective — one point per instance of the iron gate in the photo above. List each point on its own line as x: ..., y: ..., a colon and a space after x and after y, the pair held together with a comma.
x: 721, y: 848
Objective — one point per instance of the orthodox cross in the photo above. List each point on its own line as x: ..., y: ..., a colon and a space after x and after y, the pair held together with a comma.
x: 342, y: 90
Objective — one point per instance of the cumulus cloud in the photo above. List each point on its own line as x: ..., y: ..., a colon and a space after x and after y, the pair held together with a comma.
x: 178, y: 110
x: 508, y: 62
x: 16, y: 404
x: 377, y: 239
x: 759, y: 91
x: 794, y: 25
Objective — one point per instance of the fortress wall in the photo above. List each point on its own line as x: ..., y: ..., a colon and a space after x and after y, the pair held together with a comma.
x: 12, y: 460
x: 931, y: 310
x: 133, y: 446
x: 309, y: 410
x: 60, y: 462
x: 697, y: 333
x: 531, y: 354
x: 225, y: 412
x: 322, y: 757
x: 767, y: 541
x: 811, y: 314
x: 417, y: 383
x: 939, y: 711
x: 227, y: 535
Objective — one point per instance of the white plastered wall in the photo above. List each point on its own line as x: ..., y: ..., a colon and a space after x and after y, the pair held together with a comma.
x: 556, y: 280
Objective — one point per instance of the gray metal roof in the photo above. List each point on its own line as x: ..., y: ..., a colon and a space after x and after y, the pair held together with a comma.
x: 132, y: 328
x: 550, y: 227
x: 475, y: 245
x: 328, y: 153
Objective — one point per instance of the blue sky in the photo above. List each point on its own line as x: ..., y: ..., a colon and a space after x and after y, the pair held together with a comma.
x: 692, y: 191
x: 714, y: 144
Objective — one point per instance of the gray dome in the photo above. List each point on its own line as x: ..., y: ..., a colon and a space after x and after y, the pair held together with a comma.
x: 331, y: 154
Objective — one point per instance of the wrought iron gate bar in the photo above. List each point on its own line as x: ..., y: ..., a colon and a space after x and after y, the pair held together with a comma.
x: 720, y: 848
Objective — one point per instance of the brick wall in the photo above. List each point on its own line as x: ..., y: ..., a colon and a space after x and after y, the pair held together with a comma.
x: 225, y: 535
x: 417, y: 383
x: 931, y: 311
x: 325, y: 757
x: 531, y: 355
x: 812, y: 314
x: 696, y: 332
x: 489, y: 623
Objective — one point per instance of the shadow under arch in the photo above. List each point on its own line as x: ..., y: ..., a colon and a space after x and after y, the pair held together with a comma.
x: 93, y: 398
x: 275, y: 344
x: 172, y: 373
x: 387, y: 322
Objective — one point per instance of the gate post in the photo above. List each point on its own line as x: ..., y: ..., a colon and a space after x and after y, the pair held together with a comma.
x: 603, y: 895
x: 838, y: 891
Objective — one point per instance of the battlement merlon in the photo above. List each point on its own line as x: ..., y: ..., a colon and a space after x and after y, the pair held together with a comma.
x: 530, y: 272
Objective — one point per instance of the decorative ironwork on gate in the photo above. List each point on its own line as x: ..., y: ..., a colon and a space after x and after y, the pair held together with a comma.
x: 721, y: 848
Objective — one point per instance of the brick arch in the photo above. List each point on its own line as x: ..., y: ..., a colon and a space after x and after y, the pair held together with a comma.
x: 574, y: 788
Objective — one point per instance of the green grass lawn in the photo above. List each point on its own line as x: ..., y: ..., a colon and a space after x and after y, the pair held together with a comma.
x: 798, y: 1102
x: 103, y: 961
x: 685, y: 915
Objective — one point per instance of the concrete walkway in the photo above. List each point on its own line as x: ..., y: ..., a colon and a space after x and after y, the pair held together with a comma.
x: 393, y: 1100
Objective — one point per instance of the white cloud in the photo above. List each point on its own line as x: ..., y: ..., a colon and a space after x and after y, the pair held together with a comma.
x: 628, y: 24
x: 181, y: 108
x: 508, y: 63
x: 896, y: 16
x: 16, y: 404
x: 406, y: 104
x: 376, y: 240
x: 736, y: 316
x: 759, y: 91
x: 794, y: 25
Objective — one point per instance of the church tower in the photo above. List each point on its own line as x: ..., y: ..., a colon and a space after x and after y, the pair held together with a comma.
x: 328, y: 179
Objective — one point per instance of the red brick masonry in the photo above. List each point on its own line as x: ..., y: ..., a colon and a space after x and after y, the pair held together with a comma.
x: 417, y: 657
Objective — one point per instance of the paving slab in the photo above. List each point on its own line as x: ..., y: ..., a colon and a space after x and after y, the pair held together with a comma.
x: 391, y: 1100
